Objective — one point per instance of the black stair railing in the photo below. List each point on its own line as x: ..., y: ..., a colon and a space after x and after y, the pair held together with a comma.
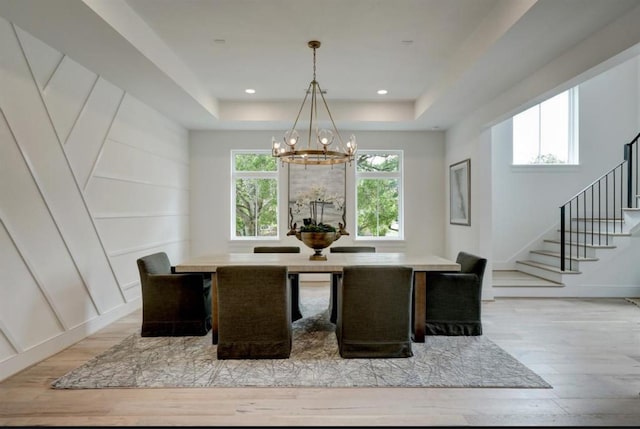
x: 592, y: 214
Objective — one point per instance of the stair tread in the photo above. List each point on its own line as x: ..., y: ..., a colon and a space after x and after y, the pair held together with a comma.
x: 598, y: 219
x: 612, y: 234
x: 573, y: 243
x: 557, y: 255
x: 547, y: 267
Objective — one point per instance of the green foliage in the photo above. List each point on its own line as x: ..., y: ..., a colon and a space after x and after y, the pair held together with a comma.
x: 255, y: 162
x: 378, y: 162
x: 377, y: 206
x: 256, y: 199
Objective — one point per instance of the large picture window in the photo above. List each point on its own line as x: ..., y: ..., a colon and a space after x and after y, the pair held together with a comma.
x: 254, y: 194
x: 379, y: 194
x: 547, y: 133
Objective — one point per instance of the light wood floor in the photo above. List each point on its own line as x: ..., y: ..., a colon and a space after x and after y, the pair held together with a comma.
x: 587, y: 349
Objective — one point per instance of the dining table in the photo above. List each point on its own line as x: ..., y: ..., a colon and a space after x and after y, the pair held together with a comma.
x: 301, y: 264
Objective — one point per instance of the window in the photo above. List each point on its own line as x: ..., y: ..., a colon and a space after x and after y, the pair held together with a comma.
x: 254, y: 194
x: 379, y: 194
x: 547, y: 133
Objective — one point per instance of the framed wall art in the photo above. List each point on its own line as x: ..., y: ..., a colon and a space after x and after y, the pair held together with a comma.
x: 460, y: 193
x: 317, y: 193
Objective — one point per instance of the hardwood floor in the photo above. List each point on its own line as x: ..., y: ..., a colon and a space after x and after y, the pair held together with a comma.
x: 587, y: 349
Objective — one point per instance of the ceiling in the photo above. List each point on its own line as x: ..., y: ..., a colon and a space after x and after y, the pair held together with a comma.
x: 439, y: 60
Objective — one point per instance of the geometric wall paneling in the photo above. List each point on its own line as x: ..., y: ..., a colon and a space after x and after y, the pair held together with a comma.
x: 122, y: 161
x: 125, y: 234
x: 150, y: 132
x: 66, y: 93
x: 25, y: 211
x: 44, y: 153
x: 69, y: 240
x: 44, y: 59
x: 90, y: 131
x: 21, y: 289
x: 110, y: 197
x: 8, y: 345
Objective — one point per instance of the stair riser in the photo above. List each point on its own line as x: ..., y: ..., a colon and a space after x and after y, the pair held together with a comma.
x: 602, y: 227
x: 552, y: 260
x: 549, y: 275
x: 555, y: 247
x: 594, y: 239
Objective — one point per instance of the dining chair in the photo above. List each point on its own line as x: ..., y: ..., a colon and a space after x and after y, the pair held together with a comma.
x: 374, y: 312
x: 335, y: 277
x: 254, y: 312
x: 294, y: 277
x: 454, y: 299
x: 173, y: 304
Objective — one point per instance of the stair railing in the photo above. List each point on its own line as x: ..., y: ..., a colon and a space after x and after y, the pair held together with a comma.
x: 602, y: 202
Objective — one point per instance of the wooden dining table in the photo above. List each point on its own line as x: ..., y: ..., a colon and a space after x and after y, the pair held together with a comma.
x: 300, y: 263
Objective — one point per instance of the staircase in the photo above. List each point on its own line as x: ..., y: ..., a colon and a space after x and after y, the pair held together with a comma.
x: 593, y: 225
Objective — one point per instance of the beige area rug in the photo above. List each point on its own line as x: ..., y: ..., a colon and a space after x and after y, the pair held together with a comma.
x: 165, y: 362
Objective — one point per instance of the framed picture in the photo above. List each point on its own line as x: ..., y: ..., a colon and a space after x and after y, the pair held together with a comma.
x: 317, y: 192
x: 460, y: 193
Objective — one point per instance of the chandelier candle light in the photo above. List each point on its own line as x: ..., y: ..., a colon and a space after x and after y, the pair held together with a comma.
x: 316, y: 152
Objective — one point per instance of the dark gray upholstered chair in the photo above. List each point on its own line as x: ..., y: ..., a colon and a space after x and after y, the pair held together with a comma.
x: 333, y: 300
x: 454, y: 300
x: 374, y: 312
x: 173, y: 304
x: 295, y: 278
x: 254, y: 320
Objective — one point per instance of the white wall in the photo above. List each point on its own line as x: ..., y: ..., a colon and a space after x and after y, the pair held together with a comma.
x: 90, y: 179
x: 211, y: 201
x: 526, y: 200
x: 471, y: 136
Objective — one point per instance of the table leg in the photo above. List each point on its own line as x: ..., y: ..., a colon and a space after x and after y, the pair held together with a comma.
x: 419, y: 305
x: 214, y: 308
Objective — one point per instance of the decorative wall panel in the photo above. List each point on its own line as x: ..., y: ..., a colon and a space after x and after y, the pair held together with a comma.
x: 78, y: 156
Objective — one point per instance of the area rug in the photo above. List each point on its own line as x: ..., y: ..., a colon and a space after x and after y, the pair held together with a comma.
x: 165, y: 362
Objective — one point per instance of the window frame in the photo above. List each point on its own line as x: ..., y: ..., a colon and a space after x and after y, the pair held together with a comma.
x: 573, y: 146
x: 398, y: 175
x: 235, y: 175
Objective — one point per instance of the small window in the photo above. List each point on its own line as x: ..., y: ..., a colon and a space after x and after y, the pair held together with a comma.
x: 379, y: 194
x: 547, y: 133
x: 254, y: 194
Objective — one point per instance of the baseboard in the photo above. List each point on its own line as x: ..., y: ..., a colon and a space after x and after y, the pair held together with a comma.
x: 19, y: 362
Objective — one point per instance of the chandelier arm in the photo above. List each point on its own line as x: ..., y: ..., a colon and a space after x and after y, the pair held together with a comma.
x: 326, y: 106
x: 301, y: 107
x: 313, y: 110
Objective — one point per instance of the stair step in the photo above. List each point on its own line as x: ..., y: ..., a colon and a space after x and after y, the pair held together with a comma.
x: 515, y: 278
x: 546, y: 267
x: 573, y: 243
x: 610, y: 233
x: 557, y: 255
x: 597, y: 219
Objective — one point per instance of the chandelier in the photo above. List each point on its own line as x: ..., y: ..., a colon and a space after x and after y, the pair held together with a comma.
x: 318, y: 150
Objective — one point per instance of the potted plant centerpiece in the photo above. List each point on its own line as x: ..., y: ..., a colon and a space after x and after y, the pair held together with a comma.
x: 314, y: 233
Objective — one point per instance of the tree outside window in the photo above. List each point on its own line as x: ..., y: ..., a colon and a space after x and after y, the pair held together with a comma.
x: 379, y: 194
x: 255, y: 194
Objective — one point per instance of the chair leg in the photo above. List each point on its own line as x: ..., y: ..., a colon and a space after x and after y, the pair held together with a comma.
x: 333, y: 298
x: 296, y: 314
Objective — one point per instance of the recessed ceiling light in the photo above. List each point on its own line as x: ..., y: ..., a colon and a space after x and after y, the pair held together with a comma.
x: 250, y: 91
x: 219, y: 41
x: 407, y: 42
x: 382, y: 91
